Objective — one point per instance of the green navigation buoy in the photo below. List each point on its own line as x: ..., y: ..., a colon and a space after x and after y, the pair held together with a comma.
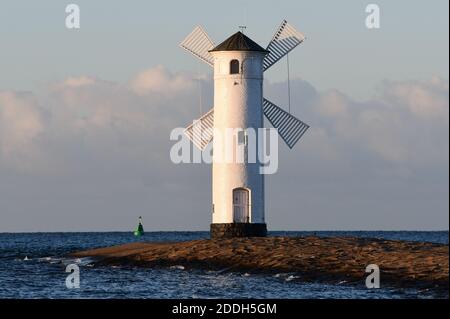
x: 139, y: 229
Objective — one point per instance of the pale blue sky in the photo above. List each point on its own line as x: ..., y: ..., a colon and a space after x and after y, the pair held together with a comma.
x: 119, y: 38
x: 85, y: 115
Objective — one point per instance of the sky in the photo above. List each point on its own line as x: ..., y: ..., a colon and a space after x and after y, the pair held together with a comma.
x: 85, y: 115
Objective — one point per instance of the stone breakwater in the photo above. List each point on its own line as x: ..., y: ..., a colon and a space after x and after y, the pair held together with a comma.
x: 332, y: 260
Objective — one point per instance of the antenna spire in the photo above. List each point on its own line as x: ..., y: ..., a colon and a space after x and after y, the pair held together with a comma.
x: 242, y: 27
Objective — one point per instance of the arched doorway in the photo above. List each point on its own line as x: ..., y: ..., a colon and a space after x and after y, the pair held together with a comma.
x: 241, y: 205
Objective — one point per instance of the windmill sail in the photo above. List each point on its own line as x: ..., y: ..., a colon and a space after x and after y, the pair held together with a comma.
x: 201, y: 131
x: 285, y: 40
x: 290, y: 128
x: 198, y: 43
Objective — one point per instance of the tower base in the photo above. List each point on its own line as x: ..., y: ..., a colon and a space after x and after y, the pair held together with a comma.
x: 232, y: 230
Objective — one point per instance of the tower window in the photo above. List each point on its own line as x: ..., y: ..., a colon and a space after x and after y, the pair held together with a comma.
x: 234, y: 67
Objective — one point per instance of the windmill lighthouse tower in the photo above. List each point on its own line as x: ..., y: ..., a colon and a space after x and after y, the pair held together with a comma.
x: 238, y: 184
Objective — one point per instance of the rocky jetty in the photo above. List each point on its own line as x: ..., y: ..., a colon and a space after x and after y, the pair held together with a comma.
x: 323, y: 259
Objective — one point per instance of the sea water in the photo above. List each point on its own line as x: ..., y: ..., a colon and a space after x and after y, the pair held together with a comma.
x: 32, y: 265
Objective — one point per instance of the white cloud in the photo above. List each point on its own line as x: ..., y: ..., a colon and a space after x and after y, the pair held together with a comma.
x: 333, y: 104
x: 21, y: 123
x: 422, y: 99
x: 405, y: 124
x: 160, y: 80
x: 108, y: 144
x: 78, y: 81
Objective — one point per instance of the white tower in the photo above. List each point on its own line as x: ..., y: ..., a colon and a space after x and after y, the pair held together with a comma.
x: 239, y: 106
x: 238, y: 187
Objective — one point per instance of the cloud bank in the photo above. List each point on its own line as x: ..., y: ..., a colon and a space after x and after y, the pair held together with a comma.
x: 88, y: 154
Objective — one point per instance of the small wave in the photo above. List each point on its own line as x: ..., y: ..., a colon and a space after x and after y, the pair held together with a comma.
x: 196, y: 296
x: 179, y: 267
x: 84, y: 261
x: 218, y: 272
x: 50, y: 260
x: 291, y: 277
x: 26, y: 258
x: 280, y: 275
x: 45, y: 259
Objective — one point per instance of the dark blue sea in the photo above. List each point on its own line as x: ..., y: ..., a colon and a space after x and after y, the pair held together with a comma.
x: 32, y: 265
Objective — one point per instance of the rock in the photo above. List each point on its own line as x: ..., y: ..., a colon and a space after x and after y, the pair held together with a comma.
x: 401, y: 263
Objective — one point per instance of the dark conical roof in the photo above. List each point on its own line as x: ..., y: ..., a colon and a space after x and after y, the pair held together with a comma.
x: 239, y: 42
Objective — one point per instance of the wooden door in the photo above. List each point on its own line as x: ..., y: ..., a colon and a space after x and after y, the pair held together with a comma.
x: 241, y: 205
